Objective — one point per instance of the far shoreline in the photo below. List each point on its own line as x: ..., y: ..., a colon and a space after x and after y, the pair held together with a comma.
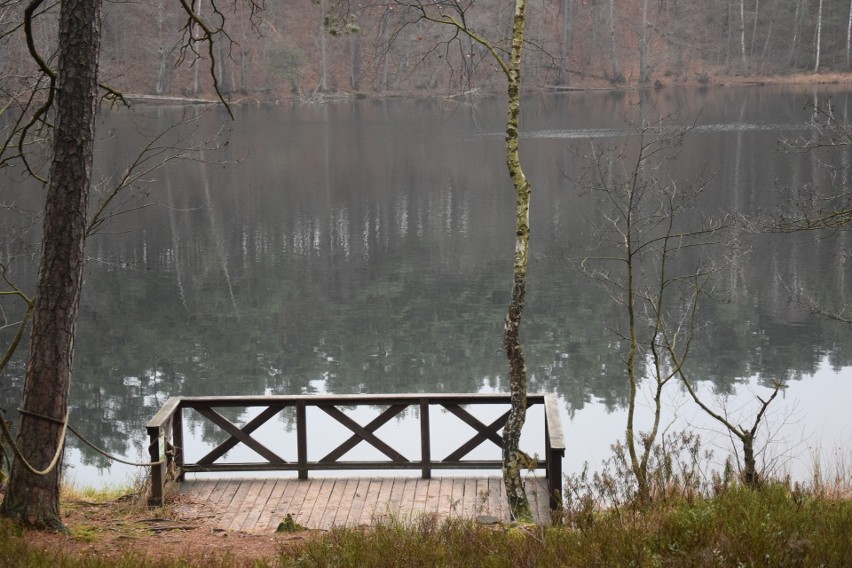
x: 659, y: 84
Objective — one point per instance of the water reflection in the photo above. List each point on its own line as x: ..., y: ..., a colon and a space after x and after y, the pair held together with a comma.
x: 365, y: 247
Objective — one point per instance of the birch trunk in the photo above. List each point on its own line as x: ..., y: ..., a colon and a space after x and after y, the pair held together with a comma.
x: 797, y: 20
x: 818, y: 37
x: 848, y: 35
x: 512, y: 458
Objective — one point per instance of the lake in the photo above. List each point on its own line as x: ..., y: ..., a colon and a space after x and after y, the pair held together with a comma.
x: 366, y: 246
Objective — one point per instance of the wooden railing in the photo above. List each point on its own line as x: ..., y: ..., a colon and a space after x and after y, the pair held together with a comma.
x: 166, y: 433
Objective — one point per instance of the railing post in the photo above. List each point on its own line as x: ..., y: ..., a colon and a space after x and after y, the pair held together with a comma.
x: 177, y: 441
x: 156, y: 498
x: 302, y: 438
x: 159, y: 428
x: 554, y: 441
x: 425, y: 441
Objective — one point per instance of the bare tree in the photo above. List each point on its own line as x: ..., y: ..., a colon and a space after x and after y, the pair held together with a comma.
x: 818, y: 39
x: 455, y: 15
x: 652, y: 258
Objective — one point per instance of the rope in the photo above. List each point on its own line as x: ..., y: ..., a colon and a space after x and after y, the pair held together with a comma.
x: 21, y: 457
x: 111, y: 456
x: 65, y: 426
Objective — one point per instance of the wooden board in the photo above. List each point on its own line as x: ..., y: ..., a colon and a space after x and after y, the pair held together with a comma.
x: 257, y: 505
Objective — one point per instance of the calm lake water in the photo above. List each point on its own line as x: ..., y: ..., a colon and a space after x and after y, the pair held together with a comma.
x: 366, y: 247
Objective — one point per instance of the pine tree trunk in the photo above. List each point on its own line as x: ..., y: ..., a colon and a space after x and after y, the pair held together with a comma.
x: 512, y: 458
x: 29, y: 498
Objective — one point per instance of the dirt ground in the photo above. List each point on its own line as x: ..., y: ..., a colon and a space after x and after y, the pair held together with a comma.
x: 112, y: 529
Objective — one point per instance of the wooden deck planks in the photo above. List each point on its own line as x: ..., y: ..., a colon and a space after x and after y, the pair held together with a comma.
x: 259, y: 505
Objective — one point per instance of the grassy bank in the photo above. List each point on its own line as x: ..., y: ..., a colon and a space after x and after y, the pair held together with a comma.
x: 775, y: 526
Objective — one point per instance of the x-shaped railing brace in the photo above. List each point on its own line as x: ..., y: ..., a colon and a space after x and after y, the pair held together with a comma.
x: 240, y: 435
x: 364, y: 433
x: 484, y: 432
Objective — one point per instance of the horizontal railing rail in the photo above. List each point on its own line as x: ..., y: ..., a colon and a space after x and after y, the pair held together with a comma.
x: 166, y: 434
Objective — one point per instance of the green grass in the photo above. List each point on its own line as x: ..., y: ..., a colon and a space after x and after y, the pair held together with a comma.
x: 770, y: 527
x: 777, y: 525
x: 740, y: 527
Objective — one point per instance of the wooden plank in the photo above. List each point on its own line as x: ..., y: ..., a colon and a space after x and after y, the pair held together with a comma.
x: 432, y: 494
x: 456, y: 505
x: 347, y: 496
x: 262, y: 524
x: 553, y: 419
x: 445, y: 495
x: 165, y: 413
x: 281, y: 503
x: 221, y: 496
x: 231, y: 508
x: 248, y: 505
x: 299, y: 507
x: 470, y: 502
x: 316, y: 499
x: 406, y: 510
x: 370, y: 502
x: 395, y: 503
x: 333, y: 505
x: 250, y: 522
x: 347, y: 400
x: 197, y: 492
x: 258, y: 505
x: 421, y: 495
x: 354, y: 516
x: 384, y: 506
x: 202, y: 489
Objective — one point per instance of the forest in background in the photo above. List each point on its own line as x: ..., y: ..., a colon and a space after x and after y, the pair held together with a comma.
x: 309, y: 47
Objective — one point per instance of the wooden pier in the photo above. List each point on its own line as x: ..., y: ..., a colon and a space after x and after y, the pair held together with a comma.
x: 259, y: 503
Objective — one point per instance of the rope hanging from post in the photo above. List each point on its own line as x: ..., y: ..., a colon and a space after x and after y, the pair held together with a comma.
x: 20, y: 456
x: 65, y: 426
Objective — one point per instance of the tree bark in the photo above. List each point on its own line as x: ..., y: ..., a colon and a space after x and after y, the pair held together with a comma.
x: 512, y: 457
x: 848, y: 35
x: 818, y: 37
x: 613, y: 45
x: 323, y: 81
x: 644, y: 66
x: 29, y: 498
x: 742, y: 36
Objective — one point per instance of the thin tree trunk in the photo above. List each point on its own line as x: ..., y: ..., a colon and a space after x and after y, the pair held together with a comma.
x: 848, y: 35
x: 565, y: 45
x: 754, y: 27
x: 194, y: 32
x: 34, y: 499
x: 616, y: 70
x: 323, y: 85
x: 742, y: 36
x: 512, y: 457
x: 818, y: 37
x: 797, y: 20
x: 644, y: 67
